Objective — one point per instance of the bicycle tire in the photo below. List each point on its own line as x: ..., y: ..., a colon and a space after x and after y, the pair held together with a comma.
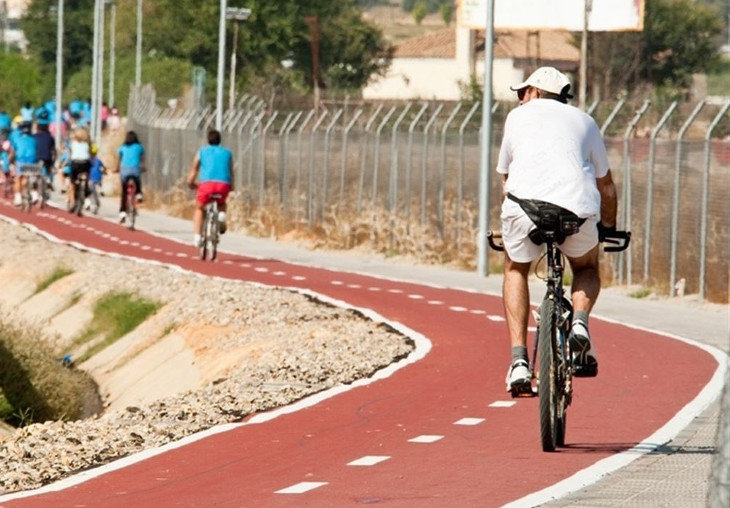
x: 547, y: 390
x: 214, y: 233
x: 42, y: 192
x: 204, y: 240
x: 131, y: 204
x: 25, y: 203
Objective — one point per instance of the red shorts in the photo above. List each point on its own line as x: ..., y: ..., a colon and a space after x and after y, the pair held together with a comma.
x: 206, y: 189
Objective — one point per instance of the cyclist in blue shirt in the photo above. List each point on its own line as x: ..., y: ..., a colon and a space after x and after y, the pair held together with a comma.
x: 7, y: 158
x: 96, y: 173
x: 130, y: 166
x: 5, y: 121
x: 214, y: 163
x: 26, y: 112
x: 25, y: 155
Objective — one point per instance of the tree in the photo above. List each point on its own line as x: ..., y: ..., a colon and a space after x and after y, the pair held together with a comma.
x: 447, y: 13
x: 419, y: 12
x: 20, y: 81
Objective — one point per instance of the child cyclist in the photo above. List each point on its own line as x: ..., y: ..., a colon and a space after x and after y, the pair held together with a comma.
x: 96, y: 173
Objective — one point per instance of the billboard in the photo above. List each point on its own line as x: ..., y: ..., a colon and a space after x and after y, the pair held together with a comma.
x: 605, y: 15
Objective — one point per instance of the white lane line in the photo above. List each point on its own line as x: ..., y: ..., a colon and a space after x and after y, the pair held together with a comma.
x: 134, y: 244
x: 425, y: 439
x: 374, y: 288
x: 114, y: 238
x: 300, y: 488
x: 354, y: 286
x: 458, y: 309
x: 503, y: 403
x: 478, y: 311
x: 245, y: 265
x: 156, y: 250
x: 227, y: 262
x: 415, y: 297
x: 435, y: 302
x: 395, y: 291
x: 469, y: 421
x: 168, y: 253
x: 299, y: 277
x: 369, y: 460
x: 531, y: 328
x: 495, y: 318
x: 124, y: 242
x: 146, y: 247
x: 181, y: 255
x: 261, y: 269
x: 337, y: 283
x: 279, y: 273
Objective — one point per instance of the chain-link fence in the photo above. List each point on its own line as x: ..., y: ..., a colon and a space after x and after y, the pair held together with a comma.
x: 420, y: 162
x: 719, y: 495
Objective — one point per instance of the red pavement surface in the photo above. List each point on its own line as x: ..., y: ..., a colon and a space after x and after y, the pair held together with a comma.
x: 644, y: 380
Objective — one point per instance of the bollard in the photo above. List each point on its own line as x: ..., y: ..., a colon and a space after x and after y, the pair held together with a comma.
x: 409, y: 166
x: 393, y: 183
x: 442, y: 169
x: 705, y: 196
x: 462, y: 170
x: 345, y: 136
x: 650, y: 187
x: 626, y: 215
x: 424, y: 160
x: 675, y: 196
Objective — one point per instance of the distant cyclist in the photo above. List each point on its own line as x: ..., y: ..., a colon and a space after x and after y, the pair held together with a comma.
x: 96, y: 173
x: 45, y: 144
x: 25, y: 157
x: 214, y: 163
x: 26, y: 112
x: 5, y: 121
x: 80, y: 155
x: 130, y: 166
x: 552, y: 152
x: 7, y: 156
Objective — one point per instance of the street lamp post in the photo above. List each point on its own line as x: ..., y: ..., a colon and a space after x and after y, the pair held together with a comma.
x: 94, y: 66
x: 138, y: 58
x: 59, y: 69
x: 221, y: 66
x: 112, y: 51
x: 237, y: 15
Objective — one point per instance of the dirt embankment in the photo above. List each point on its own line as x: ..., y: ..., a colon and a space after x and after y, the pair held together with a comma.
x: 213, y: 351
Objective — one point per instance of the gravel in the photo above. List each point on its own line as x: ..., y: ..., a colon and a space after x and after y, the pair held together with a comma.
x: 298, y: 347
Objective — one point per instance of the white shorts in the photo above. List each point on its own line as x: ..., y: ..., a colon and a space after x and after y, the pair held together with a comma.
x: 521, y: 249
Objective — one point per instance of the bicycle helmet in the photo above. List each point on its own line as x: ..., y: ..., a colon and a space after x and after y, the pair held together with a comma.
x: 43, y: 118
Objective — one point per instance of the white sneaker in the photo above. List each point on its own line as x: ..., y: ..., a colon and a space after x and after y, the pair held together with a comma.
x: 17, y: 200
x: 585, y: 359
x: 519, y: 378
x: 222, y: 222
x: 122, y: 217
x: 87, y: 204
x: 34, y: 196
x: 139, y: 197
x: 198, y: 241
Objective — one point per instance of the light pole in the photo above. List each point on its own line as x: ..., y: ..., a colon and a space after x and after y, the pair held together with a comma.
x: 59, y: 69
x: 112, y: 50
x: 94, y: 67
x: 237, y: 15
x: 138, y: 59
x: 221, y: 66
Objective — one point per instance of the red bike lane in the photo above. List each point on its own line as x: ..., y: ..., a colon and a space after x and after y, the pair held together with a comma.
x: 438, y: 431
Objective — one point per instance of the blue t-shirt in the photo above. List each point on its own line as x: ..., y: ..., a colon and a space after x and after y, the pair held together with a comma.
x: 44, y: 145
x: 95, y: 173
x: 25, y: 150
x: 5, y: 161
x: 215, y: 164
x: 130, y: 159
x: 14, y: 136
x: 5, y: 121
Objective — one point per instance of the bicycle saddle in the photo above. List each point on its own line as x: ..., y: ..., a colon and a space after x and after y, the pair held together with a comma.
x: 553, y: 222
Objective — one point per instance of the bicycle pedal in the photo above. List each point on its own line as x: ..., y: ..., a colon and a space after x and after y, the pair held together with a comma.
x: 585, y: 370
x: 523, y: 389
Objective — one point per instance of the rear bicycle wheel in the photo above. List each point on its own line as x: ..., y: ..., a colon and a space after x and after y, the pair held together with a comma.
x: 204, y: 240
x: 42, y: 189
x: 214, y: 233
x: 25, y: 204
x: 548, y: 389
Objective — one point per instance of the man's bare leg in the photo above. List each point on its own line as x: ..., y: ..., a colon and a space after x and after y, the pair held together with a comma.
x: 516, y: 298
x: 584, y: 292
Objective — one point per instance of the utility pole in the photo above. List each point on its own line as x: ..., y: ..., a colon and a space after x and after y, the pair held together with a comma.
x: 138, y: 59
x: 583, y: 78
x: 221, y: 66
x: 94, y: 67
x: 112, y: 51
x: 59, y: 70
x: 313, y: 23
x: 237, y: 15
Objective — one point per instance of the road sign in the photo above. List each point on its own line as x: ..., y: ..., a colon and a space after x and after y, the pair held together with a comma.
x: 605, y: 15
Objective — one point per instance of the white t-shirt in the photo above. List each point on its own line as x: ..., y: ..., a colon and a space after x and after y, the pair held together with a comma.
x: 552, y: 152
x: 79, y: 151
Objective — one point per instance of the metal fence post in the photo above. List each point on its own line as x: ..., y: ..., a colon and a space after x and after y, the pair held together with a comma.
x: 705, y: 198
x: 612, y: 116
x: 424, y: 160
x: 264, y: 132
x: 252, y: 140
x: 626, y: 202
x: 363, y: 158
x: 442, y: 169
x: 675, y: 196
x: 345, y: 136
x: 310, y: 179
x: 326, y: 165
x: 409, y: 167
x: 284, y: 173
x: 297, y: 181
x: 393, y: 184
x: 376, y: 157
x: 650, y: 186
x: 593, y: 107
x: 462, y: 170
x: 282, y: 130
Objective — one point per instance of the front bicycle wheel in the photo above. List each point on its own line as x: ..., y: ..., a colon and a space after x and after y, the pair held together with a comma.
x: 204, y: 240
x: 548, y: 389
x: 214, y: 236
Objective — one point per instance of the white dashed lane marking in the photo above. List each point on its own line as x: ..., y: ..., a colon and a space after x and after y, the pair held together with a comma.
x: 395, y: 291
x: 425, y: 439
x: 261, y: 269
x: 227, y: 262
x: 495, y: 318
x: 458, y: 309
x: 503, y: 403
x: 337, y: 283
x: 354, y: 286
x: 369, y: 460
x: 531, y: 329
x: 299, y: 277
x: 279, y: 273
x: 245, y: 265
x: 435, y: 302
x: 300, y: 488
x: 415, y: 297
x: 374, y: 288
x: 182, y: 255
x: 478, y: 311
x: 469, y: 421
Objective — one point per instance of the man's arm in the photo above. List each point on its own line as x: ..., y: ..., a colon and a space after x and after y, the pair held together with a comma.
x: 609, y: 201
x: 193, y: 175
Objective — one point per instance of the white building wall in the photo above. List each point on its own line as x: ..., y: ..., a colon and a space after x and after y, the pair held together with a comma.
x: 438, y: 79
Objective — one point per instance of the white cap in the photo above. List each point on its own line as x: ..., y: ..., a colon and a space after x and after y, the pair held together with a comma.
x: 549, y: 79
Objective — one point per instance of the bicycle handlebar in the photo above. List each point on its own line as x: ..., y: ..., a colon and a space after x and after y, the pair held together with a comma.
x: 491, y: 235
x: 618, y: 239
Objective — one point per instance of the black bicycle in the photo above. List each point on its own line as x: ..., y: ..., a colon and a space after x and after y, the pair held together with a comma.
x: 555, y: 368
x: 211, y: 229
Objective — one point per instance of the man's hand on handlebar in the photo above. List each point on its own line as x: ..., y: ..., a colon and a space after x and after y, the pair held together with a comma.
x: 605, y: 232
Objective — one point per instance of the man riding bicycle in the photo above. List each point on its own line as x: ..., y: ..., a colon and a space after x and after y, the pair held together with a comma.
x: 552, y: 152
x: 45, y: 145
x: 25, y: 158
x: 214, y: 163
